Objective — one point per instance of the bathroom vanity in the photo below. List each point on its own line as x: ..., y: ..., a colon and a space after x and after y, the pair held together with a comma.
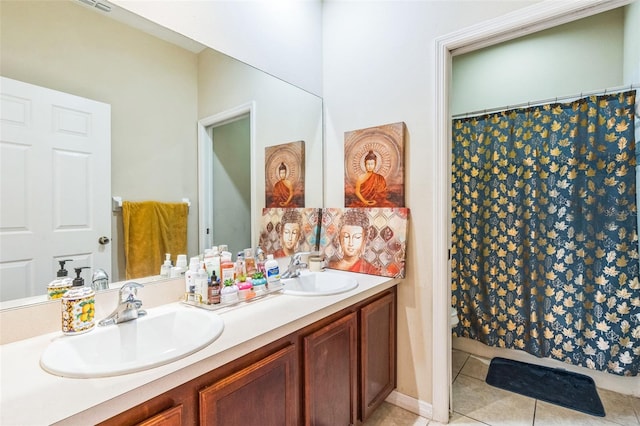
x: 282, y: 360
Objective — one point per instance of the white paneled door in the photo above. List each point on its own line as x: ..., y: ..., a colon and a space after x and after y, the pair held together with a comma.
x: 55, y: 186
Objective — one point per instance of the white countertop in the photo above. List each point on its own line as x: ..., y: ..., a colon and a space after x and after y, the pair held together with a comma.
x: 31, y: 396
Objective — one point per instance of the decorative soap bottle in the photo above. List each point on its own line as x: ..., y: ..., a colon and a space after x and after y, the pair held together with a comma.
x: 61, y: 284
x: 78, y: 307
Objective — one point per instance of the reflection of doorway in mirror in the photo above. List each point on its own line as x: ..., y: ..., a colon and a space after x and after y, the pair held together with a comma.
x: 374, y: 166
x: 56, y: 186
x: 231, y: 178
x: 284, y: 174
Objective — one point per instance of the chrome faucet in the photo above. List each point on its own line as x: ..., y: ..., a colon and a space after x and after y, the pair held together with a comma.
x: 100, y: 280
x: 128, y: 305
x: 295, y: 265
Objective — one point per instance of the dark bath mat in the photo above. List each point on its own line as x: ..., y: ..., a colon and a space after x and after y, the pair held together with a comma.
x: 570, y: 390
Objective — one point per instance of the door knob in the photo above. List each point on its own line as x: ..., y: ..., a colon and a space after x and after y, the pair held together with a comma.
x: 103, y: 240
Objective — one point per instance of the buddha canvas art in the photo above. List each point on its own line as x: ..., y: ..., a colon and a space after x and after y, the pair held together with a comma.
x: 374, y: 166
x: 284, y: 175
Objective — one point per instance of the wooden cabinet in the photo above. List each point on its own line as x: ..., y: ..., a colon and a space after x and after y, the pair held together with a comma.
x: 330, y: 373
x: 170, y: 417
x: 377, y: 353
x: 336, y: 371
x: 260, y: 394
x: 161, y: 410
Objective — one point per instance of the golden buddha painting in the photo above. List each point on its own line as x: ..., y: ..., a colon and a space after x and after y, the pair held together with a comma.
x: 374, y: 166
x: 284, y: 175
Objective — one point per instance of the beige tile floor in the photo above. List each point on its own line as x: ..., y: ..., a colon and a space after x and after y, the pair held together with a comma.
x: 476, y: 403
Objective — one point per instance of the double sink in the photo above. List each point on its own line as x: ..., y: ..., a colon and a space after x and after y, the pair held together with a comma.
x: 164, y: 335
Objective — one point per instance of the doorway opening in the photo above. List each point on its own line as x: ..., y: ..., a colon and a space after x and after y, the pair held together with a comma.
x: 226, y: 179
x: 519, y: 23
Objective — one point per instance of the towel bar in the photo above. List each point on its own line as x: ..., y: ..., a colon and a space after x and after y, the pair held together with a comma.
x: 116, y: 203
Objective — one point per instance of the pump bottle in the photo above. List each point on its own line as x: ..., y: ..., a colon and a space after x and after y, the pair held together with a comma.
x: 165, y: 269
x: 78, y: 306
x: 61, y: 284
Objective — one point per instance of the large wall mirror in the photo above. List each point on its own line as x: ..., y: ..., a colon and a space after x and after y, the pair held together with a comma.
x: 159, y: 85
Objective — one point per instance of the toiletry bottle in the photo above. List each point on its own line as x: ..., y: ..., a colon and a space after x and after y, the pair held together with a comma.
x: 260, y: 261
x: 214, y: 290
x: 181, y: 266
x: 227, y: 267
x: 61, y: 284
x: 202, y: 284
x: 206, y: 258
x: 240, y: 271
x: 165, y: 269
x: 249, y: 262
x: 190, y: 275
x: 212, y: 261
x: 273, y: 273
x: 78, y: 307
x: 216, y: 263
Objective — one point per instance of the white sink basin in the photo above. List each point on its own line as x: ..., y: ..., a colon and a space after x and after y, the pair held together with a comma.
x: 164, y: 335
x: 319, y: 284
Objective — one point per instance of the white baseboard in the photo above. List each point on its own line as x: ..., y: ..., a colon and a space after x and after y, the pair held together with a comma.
x: 409, y: 403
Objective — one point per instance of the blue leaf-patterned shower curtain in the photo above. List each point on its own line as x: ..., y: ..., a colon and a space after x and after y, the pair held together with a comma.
x: 545, y: 243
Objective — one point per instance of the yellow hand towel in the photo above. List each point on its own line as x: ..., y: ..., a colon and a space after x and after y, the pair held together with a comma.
x: 152, y: 229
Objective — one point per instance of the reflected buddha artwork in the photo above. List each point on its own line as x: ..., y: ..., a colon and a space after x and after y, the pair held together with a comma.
x: 374, y: 166
x: 284, y: 174
x: 285, y: 232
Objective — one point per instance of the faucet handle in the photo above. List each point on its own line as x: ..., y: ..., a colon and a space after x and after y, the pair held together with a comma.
x: 129, y: 291
x: 297, y: 257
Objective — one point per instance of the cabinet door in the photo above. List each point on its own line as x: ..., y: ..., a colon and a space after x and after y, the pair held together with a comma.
x: 377, y: 353
x: 262, y: 394
x: 330, y: 374
x: 170, y: 417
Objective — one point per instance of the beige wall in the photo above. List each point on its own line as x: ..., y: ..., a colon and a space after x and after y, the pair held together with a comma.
x: 64, y: 46
x: 379, y: 68
x: 282, y: 38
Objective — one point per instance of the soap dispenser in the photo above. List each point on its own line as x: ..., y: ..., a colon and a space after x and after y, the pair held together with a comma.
x: 61, y: 284
x: 165, y: 269
x: 78, y: 307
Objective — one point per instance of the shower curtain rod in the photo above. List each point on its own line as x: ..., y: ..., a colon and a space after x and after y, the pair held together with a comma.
x: 546, y: 101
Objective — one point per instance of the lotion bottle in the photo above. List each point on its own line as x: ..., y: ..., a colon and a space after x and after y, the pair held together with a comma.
x: 190, y: 275
x: 273, y: 273
x: 202, y: 284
